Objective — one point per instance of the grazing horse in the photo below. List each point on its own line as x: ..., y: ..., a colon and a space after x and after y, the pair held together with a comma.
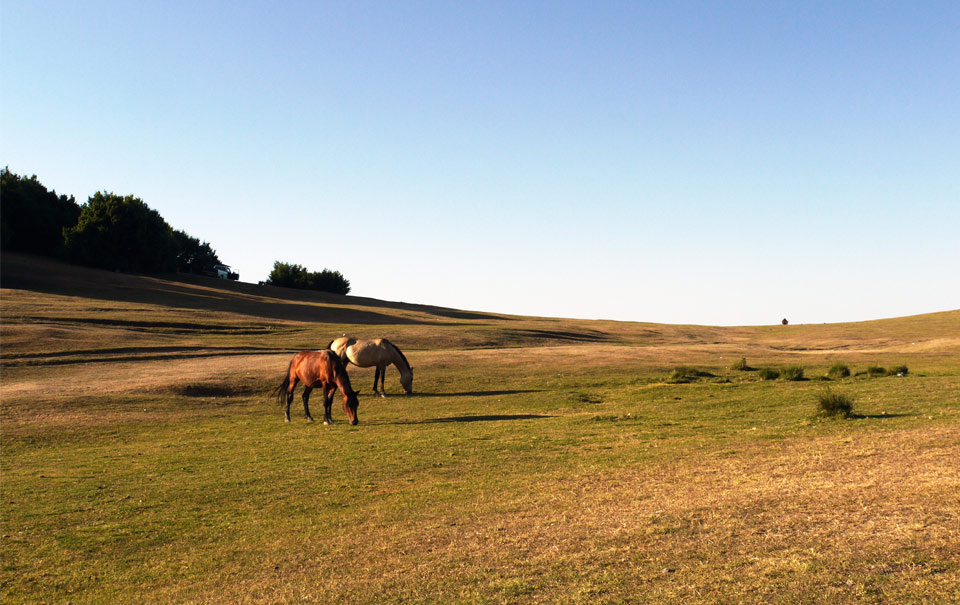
x: 323, y: 369
x: 378, y: 352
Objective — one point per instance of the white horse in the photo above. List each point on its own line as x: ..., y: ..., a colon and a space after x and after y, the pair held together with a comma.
x: 378, y: 352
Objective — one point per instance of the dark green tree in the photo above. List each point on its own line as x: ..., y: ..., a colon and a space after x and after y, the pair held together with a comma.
x: 121, y: 233
x: 297, y: 276
x: 32, y: 219
x: 192, y: 254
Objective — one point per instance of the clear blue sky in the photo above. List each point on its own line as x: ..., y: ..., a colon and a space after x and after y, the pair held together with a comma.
x: 692, y: 162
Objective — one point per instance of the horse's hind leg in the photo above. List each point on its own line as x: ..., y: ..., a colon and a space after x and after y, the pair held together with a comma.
x: 293, y: 385
x: 306, y: 399
x: 327, y: 404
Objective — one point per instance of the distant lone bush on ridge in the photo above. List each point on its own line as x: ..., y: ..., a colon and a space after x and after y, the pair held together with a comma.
x: 287, y: 275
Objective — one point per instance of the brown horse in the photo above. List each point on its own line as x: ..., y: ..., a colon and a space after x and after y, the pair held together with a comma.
x: 378, y: 352
x: 323, y: 369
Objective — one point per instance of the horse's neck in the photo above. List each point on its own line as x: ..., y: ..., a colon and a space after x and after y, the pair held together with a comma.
x: 343, y: 383
x: 397, y: 359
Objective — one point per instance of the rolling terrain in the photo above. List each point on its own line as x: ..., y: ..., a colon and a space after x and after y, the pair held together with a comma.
x: 144, y: 458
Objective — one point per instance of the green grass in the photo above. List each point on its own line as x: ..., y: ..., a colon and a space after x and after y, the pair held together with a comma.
x: 769, y: 373
x: 685, y: 374
x: 792, y: 372
x: 143, y: 459
x: 834, y: 404
x: 838, y: 370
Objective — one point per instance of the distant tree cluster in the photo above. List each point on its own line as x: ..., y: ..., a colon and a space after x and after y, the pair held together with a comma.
x: 109, y: 231
x: 296, y: 276
x: 32, y: 219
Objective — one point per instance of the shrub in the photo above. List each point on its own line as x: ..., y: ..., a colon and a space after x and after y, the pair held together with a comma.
x: 740, y: 365
x: 684, y: 374
x: 898, y: 371
x: 838, y: 370
x: 769, y: 373
x: 791, y: 373
x: 834, y: 404
x: 296, y: 276
x: 873, y: 371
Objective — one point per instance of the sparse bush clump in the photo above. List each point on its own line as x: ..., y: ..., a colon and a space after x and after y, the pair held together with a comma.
x: 791, y: 373
x: 685, y: 374
x: 834, y: 404
x: 898, y: 371
x: 769, y: 373
x: 874, y: 371
x: 297, y: 276
x: 838, y: 370
x: 740, y: 365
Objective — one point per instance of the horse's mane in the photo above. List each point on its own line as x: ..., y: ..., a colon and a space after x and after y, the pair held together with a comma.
x: 331, y: 343
x: 399, y: 352
x: 340, y: 374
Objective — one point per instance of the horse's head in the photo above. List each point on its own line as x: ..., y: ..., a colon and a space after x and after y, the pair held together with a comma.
x: 350, y: 403
x: 406, y: 381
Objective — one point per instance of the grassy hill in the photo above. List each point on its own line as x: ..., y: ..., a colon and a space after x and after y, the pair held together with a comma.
x: 540, y: 459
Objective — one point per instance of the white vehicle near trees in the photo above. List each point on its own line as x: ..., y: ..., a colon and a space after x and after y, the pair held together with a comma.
x: 222, y: 272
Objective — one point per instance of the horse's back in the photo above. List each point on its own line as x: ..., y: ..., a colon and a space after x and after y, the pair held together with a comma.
x: 339, y: 345
x: 314, y: 367
x: 366, y: 353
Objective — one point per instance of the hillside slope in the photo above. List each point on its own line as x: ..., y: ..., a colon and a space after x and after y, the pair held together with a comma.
x: 57, y: 313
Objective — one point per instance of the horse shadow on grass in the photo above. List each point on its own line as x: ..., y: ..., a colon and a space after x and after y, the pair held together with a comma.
x: 878, y: 416
x: 479, y: 393
x: 476, y: 418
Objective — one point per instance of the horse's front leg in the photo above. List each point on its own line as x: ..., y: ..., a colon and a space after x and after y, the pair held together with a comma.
x: 383, y: 378
x: 306, y: 404
x: 327, y: 403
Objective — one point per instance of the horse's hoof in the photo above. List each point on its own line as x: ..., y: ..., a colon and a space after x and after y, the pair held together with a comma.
x: 309, y: 419
x: 328, y: 422
x: 286, y: 420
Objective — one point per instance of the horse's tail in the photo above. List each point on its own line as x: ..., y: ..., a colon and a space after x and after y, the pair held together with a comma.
x: 281, y: 391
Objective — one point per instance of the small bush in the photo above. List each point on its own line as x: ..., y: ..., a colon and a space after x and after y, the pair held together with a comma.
x: 684, y: 374
x: 791, y: 373
x: 834, y: 404
x: 898, y: 371
x: 873, y: 371
x: 769, y: 373
x: 740, y: 365
x: 838, y: 370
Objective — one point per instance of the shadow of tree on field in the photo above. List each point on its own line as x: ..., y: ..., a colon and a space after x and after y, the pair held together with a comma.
x: 186, y: 291
x: 477, y: 418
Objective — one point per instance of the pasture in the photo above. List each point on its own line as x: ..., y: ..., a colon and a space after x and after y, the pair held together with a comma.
x: 144, y: 458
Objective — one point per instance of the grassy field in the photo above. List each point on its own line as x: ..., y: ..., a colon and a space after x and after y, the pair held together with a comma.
x: 539, y: 460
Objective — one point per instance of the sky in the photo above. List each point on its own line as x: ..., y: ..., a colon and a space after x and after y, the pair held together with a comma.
x: 716, y: 163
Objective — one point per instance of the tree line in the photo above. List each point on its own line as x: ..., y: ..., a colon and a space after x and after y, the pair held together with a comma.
x: 118, y: 233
